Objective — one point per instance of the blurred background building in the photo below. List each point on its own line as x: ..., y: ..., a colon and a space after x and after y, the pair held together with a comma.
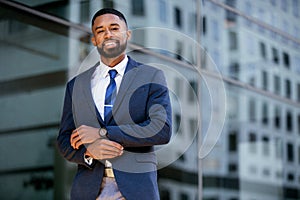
x: 251, y: 47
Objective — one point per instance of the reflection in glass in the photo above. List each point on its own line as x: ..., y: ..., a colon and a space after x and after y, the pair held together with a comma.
x: 258, y: 153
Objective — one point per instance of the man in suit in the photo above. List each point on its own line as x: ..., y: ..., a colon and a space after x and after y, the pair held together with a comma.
x: 113, y: 115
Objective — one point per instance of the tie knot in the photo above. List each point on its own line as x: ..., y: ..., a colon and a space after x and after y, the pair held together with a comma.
x: 112, y: 73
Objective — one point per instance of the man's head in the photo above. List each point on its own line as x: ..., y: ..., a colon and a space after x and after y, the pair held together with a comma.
x: 104, y: 11
x: 110, y: 33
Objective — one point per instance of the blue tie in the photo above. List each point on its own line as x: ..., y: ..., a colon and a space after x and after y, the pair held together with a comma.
x: 110, y: 95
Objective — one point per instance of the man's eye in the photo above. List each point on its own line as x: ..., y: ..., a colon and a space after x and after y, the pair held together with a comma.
x: 115, y: 29
x: 100, y: 31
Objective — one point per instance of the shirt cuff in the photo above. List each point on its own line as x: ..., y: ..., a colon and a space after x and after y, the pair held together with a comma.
x: 88, y: 160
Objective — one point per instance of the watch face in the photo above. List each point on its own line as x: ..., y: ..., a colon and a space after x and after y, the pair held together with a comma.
x: 103, y: 132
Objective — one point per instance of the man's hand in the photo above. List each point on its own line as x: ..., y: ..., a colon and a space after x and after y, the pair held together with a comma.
x: 104, y: 149
x: 84, y: 135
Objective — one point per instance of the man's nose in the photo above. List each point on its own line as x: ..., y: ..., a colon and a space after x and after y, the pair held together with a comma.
x: 107, y: 33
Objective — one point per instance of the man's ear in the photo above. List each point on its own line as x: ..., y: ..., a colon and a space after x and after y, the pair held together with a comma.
x: 93, y: 39
x: 128, y: 33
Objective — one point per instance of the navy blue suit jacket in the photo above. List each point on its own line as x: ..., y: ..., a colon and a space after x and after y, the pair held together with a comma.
x: 141, y: 119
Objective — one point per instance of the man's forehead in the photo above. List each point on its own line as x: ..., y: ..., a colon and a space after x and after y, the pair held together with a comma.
x: 108, y: 19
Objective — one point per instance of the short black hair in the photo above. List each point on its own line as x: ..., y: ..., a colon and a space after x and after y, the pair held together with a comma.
x: 104, y: 11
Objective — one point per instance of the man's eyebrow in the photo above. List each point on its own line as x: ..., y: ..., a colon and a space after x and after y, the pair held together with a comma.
x: 114, y: 24
x: 98, y: 27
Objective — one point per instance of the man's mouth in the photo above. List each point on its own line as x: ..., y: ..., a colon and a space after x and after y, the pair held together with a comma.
x: 110, y: 43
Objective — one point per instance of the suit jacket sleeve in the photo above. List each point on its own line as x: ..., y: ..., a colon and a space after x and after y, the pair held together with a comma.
x: 155, y: 128
x: 66, y: 127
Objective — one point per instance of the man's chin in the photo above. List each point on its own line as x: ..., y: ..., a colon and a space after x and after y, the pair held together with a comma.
x: 112, y: 52
x: 108, y: 53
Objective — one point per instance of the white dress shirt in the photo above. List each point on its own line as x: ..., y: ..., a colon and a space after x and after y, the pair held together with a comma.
x: 99, y: 82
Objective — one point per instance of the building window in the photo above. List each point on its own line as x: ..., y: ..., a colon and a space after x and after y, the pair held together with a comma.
x: 288, y: 90
x: 296, y: 45
x: 14, y: 27
x: 216, y: 58
x: 265, y: 112
x: 230, y: 16
x: 252, y: 110
x: 193, y: 22
x: 177, y: 123
x: 252, y: 81
x: 274, y: 22
x: 233, y: 41
x: 232, y: 107
x: 232, y: 138
x: 165, y: 194
x: 232, y: 167
x: 289, y: 121
x: 278, y: 148
x: 284, y: 5
x: 179, y: 87
x: 193, y: 91
x: 277, y: 86
x: 298, y: 92
x: 273, y: 2
x: 252, y: 142
x: 138, y: 7
x: 84, y: 11
x: 108, y: 4
x: 266, y: 172
x: 296, y: 8
x: 266, y: 146
x: 290, y: 152
x: 261, y: 15
x: 286, y: 59
x: 298, y: 119
x: 211, y: 198
x: 277, y: 117
x: 178, y: 20
x: 184, y: 196
x: 263, y: 50
x: 299, y: 155
x: 193, y: 124
x: 252, y: 169
x: 275, y: 55
x: 250, y: 44
x: 234, y: 70
x: 290, y: 177
x: 215, y: 29
x: 204, y: 25
x: 296, y: 61
x: 139, y: 37
x: 248, y: 11
x: 162, y: 10
x: 179, y: 50
x: 265, y: 80
x: 279, y: 175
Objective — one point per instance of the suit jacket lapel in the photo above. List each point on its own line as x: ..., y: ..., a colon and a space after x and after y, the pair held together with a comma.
x: 87, y: 91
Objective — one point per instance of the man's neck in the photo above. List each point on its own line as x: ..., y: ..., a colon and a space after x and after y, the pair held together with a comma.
x: 111, y: 62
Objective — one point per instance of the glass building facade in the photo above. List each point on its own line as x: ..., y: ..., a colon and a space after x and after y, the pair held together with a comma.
x: 233, y: 70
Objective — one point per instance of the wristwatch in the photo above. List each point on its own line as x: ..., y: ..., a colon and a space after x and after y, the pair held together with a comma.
x: 102, y: 132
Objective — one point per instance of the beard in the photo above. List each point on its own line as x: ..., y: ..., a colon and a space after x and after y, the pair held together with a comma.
x: 112, y: 52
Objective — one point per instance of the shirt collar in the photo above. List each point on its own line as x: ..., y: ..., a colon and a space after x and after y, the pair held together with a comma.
x: 103, y: 69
